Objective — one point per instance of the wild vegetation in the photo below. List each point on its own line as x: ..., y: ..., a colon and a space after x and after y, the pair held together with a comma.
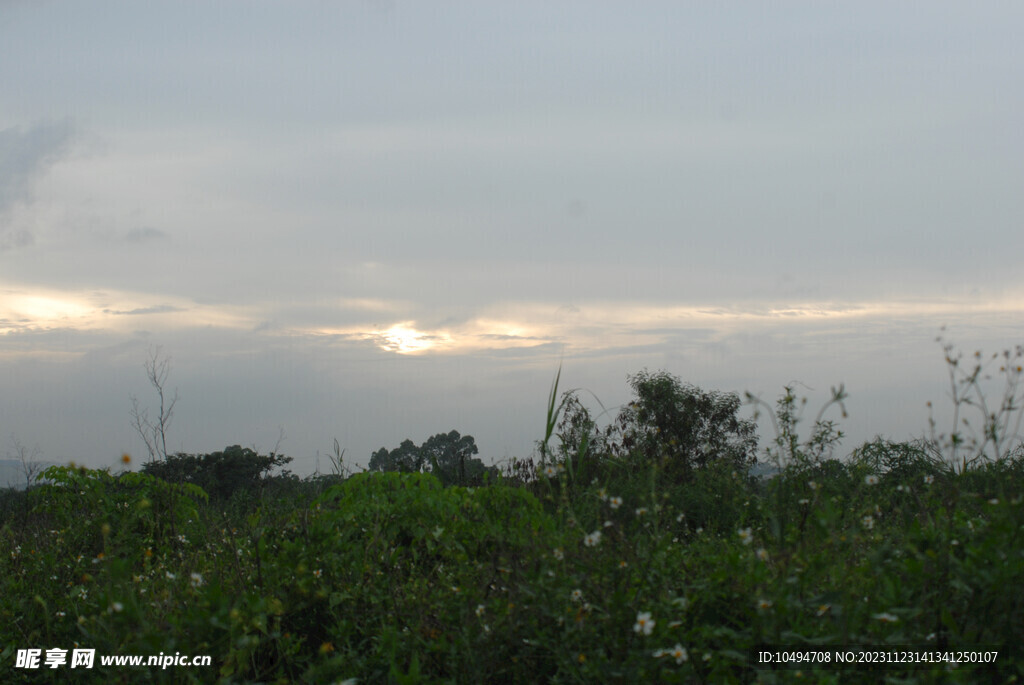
x: 643, y: 550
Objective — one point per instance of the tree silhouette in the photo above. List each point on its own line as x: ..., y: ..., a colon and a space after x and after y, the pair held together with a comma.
x: 448, y: 456
x: 405, y: 458
x: 685, y: 427
x: 220, y: 474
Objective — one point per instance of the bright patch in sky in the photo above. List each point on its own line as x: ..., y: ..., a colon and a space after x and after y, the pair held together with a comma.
x: 404, y: 339
x: 40, y: 312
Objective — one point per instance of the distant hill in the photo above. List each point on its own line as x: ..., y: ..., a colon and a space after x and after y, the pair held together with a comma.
x: 12, y: 473
x: 763, y: 470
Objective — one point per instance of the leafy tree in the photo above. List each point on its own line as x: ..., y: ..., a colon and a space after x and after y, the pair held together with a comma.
x: 405, y: 458
x: 677, y: 426
x: 220, y: 474
x: 450, y: 456
x: 684, y: 427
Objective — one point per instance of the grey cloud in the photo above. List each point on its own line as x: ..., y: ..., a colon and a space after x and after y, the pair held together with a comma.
x: 24, y: 338
x: 611, y: 352
x: 158, y: 309
x: 14, y: 238
x: 503, y: 336
x: 343, y: 337
x: 144, y: 234
x: 529, y: 351
x: 679, y: 333
x: 25, y: 155
x: 14, y: 326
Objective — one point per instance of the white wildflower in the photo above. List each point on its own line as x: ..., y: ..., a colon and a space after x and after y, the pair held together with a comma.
x: 644, y: 623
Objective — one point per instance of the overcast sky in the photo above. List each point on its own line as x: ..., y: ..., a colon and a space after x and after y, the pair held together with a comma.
x: 374, y: 221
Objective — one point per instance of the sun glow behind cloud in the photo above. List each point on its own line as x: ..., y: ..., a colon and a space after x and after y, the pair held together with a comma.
x: 38, y: 310
x: 593, y: 328
x: 26, y: 312
x: 404, y: 339
x: 584, y: 327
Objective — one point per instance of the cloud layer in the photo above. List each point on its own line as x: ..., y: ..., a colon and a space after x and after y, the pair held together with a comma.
x: 374, y: 221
